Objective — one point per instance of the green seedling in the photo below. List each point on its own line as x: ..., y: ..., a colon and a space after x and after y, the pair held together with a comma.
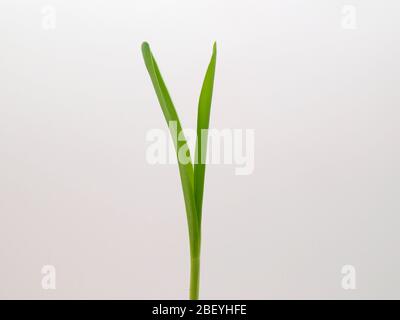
x: 192, y: 175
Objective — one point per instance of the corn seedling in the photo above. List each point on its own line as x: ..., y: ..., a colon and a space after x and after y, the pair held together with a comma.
x: 192, y: 174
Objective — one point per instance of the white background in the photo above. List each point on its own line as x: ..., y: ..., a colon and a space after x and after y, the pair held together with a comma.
x: 76, y: 191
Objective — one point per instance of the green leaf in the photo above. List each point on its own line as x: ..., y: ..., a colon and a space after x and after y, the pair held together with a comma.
x: 185, y: 170
x: 203, y: 121
x: 192, y: 178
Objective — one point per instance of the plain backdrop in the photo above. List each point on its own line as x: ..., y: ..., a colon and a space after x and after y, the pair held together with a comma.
x: 77, y: 193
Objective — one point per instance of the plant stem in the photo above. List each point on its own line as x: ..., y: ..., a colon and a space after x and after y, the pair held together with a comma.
x: 194, y: 278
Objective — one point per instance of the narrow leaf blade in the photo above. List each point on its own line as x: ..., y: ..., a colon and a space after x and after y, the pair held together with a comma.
x: 203, y: 121
x: 185, y: 170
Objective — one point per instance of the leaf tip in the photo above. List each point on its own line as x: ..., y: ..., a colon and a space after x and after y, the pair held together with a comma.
x: 145, y: 46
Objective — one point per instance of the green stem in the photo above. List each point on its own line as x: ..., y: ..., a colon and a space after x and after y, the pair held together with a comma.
x: 194, y: 278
